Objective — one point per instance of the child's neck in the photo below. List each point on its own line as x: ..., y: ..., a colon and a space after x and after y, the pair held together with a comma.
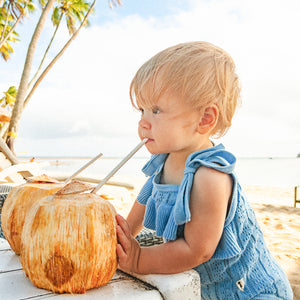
x: 174, y: 166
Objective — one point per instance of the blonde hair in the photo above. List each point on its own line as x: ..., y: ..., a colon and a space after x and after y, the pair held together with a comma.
x: 198, y: 72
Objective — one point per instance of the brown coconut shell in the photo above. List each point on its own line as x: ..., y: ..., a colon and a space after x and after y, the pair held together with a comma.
x: 69, y: 242
x: 17, y: 204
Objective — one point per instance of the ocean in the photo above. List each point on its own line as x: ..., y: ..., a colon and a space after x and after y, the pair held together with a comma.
x: 273, y: 172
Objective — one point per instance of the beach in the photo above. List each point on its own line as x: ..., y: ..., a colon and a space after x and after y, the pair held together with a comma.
x: 280, y: 223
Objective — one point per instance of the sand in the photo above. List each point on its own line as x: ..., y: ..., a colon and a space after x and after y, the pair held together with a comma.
x: 279, y: 221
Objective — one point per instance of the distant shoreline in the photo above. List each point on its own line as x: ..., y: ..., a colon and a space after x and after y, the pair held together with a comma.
x: 74, y: 157
x: 145, y: 157
x: 259, y: 171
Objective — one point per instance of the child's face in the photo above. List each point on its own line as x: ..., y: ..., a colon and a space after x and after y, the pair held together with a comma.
x: 170, y: 125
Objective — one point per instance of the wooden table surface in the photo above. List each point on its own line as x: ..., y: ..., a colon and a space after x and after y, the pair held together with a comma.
x: 15, y: 285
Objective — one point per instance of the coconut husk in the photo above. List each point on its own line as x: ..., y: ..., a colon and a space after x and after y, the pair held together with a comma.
x: 16, y: 206
x: 42, y: 179
x: 69, y: 242
x: 75, y: 187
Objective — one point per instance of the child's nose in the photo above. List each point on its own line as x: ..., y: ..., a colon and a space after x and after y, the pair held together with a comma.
x: 143, y: 123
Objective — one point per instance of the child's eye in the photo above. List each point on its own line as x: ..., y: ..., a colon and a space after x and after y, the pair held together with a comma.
x: 141, y: 110
x: 156, y: 110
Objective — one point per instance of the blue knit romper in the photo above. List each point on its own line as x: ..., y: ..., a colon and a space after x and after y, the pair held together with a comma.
x: 242, y: 266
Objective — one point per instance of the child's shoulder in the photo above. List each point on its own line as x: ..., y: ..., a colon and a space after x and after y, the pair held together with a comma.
x: 210, y: 183
x: 209, y: 176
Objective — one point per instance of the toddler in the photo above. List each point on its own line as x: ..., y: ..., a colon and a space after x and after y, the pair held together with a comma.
x: 188, y: 94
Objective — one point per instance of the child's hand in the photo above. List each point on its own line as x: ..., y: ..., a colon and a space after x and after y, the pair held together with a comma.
x: 128, y: 249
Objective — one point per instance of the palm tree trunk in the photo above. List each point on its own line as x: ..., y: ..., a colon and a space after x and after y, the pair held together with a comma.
x: 45, y: 54
x: 22, y: 90
x: 3, y: 130
x: 58, y: 56
x: 6, y: 151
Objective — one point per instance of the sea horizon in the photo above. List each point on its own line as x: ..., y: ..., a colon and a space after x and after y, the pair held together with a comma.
x: 144, y: 157
x: 264, y: 171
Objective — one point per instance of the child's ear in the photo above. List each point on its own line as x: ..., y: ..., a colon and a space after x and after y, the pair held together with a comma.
x: 208, y: 119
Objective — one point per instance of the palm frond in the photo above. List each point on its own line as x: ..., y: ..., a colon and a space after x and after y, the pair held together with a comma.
x: 9, y: 97
x: 6, y: 50
x: 114, y: 3
x: 55, y: 18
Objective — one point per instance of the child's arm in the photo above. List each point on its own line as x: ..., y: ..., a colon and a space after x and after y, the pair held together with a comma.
x: 208, y: 205
x: 135, y: 218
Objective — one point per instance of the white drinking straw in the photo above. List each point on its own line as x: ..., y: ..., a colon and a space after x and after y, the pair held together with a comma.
x: 121, y: 163
x: 82, y: 168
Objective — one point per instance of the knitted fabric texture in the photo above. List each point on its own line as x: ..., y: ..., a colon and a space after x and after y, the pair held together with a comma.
x: 242, y: 266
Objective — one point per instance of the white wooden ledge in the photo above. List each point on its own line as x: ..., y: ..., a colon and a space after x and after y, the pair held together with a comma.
x: 14, y: 285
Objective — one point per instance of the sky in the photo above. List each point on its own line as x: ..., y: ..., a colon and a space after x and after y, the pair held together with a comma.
x: 82, y: 106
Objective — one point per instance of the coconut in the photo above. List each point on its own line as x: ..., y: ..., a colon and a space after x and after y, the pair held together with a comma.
x: 69, y: 241
x: 19, y: 201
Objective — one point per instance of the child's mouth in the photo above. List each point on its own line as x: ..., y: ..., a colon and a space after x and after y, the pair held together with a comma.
x: 149, y: 140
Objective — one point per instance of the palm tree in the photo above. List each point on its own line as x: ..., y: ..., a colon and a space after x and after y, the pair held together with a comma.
x: 73, y: 10
x: 22, y: 90
x: 50, y: 65
x: 7, y: 102
x: 12, y: 12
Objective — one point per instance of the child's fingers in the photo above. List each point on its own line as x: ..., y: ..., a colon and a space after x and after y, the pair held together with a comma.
x: 123, y: 240
x: 120, y: 252
x: 124, y: 225
x: 122, y: 257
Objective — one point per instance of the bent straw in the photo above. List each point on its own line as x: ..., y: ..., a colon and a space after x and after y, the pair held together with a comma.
x: 121, y: 163
x: 82, y: 168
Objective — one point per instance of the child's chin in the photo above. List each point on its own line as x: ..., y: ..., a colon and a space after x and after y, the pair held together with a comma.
x: 154, y: 152
x: 151, y: 150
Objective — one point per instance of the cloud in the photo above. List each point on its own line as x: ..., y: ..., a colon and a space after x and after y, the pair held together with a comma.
x: 86, y: 93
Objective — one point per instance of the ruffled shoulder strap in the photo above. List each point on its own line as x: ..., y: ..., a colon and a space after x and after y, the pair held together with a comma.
x: 217, y: 158
x: 154, y: 164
